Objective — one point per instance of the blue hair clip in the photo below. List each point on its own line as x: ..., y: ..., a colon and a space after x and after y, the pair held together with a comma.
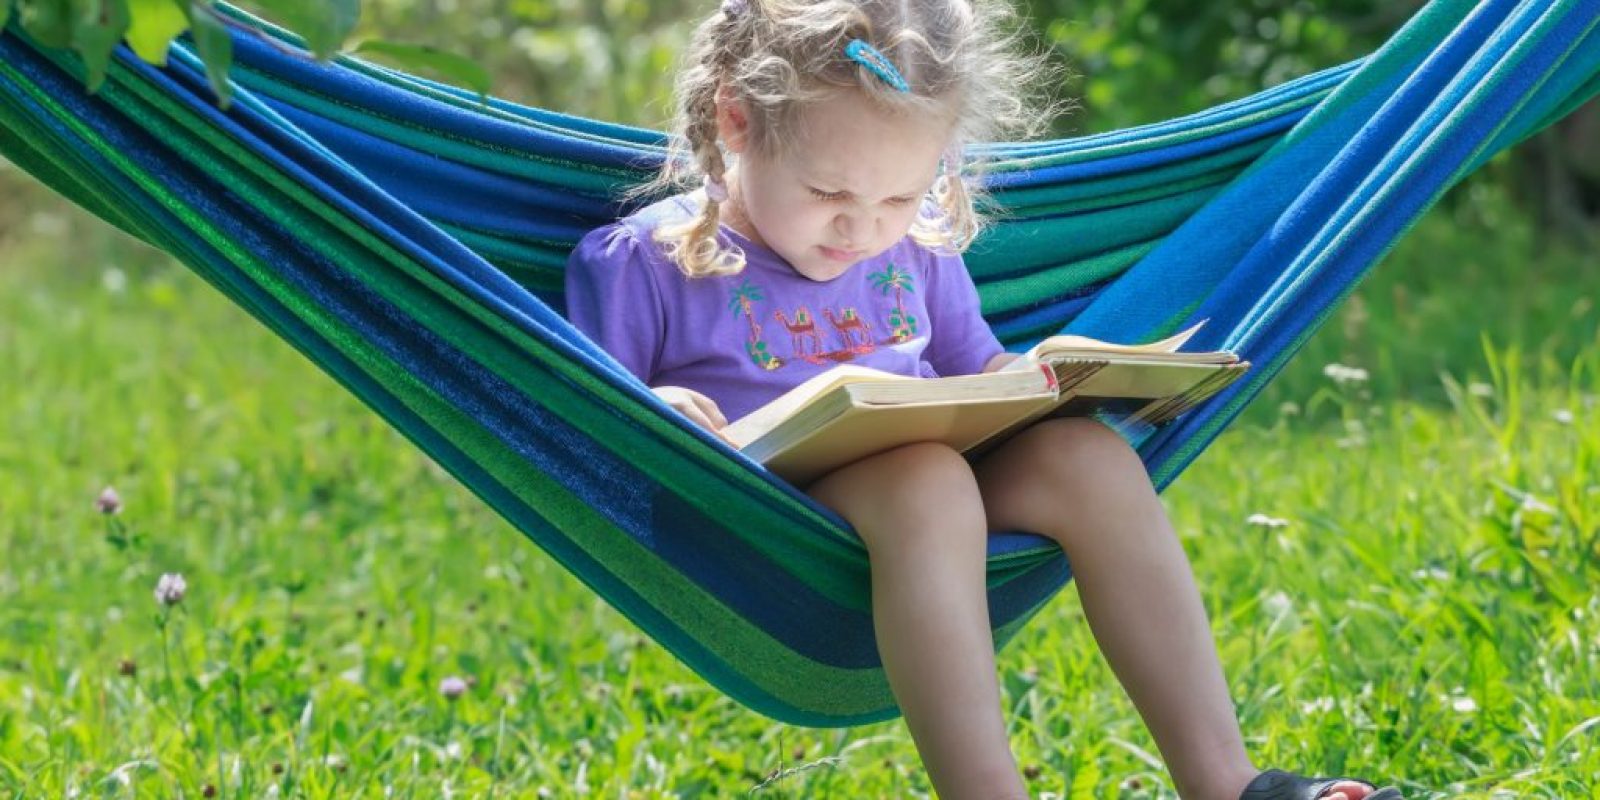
x: 869, y: 57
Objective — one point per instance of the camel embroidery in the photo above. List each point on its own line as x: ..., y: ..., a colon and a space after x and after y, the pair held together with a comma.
x: 809, y: 344
x: 803, y: 327
x: 848, y: 327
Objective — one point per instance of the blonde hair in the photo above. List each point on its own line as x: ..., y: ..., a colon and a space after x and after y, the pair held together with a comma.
x: 960, y: 58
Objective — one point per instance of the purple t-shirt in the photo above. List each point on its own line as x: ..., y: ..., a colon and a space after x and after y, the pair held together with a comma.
x: 744, y: 339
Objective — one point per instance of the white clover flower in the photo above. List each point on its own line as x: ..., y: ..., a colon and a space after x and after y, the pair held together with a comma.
x: 1264, y: 521
x: 1534, y: 504
x: 1343, y: 374
x: 109, y: 502
x: 1461, y: 703
x: 580, y: 782
x: 452, y: 687
x: 1278, y: 604
x: 1562, y: 416
x: 1321, y: 705
x: 113, y: 280
x: 170, y: 589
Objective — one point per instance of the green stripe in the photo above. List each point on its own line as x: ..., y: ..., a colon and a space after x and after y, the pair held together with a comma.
x: 1002, y: 296
x: 832, y: 691
x: 586, y: 178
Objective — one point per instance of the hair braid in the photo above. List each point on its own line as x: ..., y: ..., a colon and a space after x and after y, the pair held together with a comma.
x: 693, y: 244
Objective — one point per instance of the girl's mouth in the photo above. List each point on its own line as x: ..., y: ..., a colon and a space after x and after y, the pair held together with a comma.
x: 835, y: 254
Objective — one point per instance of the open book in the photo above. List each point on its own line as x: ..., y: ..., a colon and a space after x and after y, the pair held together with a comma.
x: 850, y: 412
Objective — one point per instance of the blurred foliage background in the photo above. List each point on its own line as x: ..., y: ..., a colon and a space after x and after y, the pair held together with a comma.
x: 116, y: 380
x: 1127, y: 62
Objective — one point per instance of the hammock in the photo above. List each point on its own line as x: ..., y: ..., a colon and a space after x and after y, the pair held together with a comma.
x: 409, y: 240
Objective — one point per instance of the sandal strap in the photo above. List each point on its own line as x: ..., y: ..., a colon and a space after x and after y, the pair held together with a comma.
x: 1275, y: 784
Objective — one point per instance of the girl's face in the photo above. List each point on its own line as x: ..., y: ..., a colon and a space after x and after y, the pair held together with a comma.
x: 846, y: 189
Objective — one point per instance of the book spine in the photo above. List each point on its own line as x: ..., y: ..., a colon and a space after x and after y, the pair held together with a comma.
x: 1163, y: 411
x: 1050, y: 375
x: 1067, y: 375
x: 1224, y: 379
x: 1070, y: 374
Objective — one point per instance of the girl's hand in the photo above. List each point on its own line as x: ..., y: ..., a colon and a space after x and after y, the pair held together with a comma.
x: 700, y: 410
x: 1000, y: 361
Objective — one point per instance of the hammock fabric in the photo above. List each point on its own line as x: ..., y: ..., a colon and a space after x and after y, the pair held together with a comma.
x: 409, y: 240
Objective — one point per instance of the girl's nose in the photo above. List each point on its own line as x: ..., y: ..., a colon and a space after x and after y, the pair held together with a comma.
x: 853, y: 227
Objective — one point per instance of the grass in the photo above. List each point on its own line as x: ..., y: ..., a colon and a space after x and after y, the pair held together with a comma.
x: 1425, y: 613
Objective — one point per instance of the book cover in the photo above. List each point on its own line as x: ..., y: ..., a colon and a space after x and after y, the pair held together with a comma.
x: 851, y: 412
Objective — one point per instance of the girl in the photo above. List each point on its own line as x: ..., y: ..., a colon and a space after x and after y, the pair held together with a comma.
x: 829, y: 232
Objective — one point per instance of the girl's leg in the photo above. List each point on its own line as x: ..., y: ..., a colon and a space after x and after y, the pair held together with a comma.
x: 920, y: 513
x: 1079, y: 483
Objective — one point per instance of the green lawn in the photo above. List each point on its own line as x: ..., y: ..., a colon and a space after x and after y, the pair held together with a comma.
x: 1425, y: 613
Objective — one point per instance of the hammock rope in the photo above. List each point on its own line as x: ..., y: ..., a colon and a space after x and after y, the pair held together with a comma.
x: 409, y: 240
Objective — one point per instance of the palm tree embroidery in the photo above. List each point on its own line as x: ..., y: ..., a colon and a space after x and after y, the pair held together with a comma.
x: 743, y: 296
x: 902, y: 325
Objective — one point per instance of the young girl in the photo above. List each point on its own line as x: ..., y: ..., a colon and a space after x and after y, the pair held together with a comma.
x: 829, y: 232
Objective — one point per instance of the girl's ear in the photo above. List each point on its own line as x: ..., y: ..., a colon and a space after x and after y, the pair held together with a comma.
x: 733, y: 120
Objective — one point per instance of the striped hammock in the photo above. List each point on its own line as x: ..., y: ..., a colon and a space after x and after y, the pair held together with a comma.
x: 409, y: 240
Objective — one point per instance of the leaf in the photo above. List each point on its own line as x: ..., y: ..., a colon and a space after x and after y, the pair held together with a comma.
x: 326, y: 24
x: 5, y: 13
x: 100, y: 26
x: 1085, y: 780
x: 155, y: 23
x: 454, y: 68
x: 215, y: 46
x: 342, y: 18
x: 323, y: 24
x: 49, y: 21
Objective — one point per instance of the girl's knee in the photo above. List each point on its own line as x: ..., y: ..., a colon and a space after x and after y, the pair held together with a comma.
x: 908, y: 492
x: 1055, y: 467
x: 1076, y: 443
x: 913, y: 479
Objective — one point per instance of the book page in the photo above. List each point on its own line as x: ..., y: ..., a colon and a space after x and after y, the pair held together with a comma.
x: 1084, y: 344
x: 751, y: 426
x: 863, y: 430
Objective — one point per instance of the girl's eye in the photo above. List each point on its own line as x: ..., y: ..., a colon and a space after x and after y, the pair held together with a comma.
x: 832, y: 196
